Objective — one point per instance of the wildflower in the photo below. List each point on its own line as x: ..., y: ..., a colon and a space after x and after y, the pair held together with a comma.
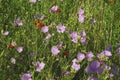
x: 61, y: 28
x: 65, y: 53
x: 81, y: 12
x: 81, y: 18
x: 93, y: 21
x: 60, y: 44
x: 65, y: 72
x: 75, y: 40
x: 92, y: 78
x: 107, y: 53
x: 18, y: 22
x: 74, y: 34
x: 83, y: 33
x: 55, y: 50
x: 89, y: 56
x: 94, y: 67
x: 33, y: 1
x: 26, y: 76
x: 12, y: 45
x: 108, y: 48
x: 13, y: 60
x: 40, y: 66
x: 5, y: 33
x: 40, y: 24
x: 75, y: 60
x: 75, y: 66
x: 44, y: 29
x: 19, y: 49
x: 54, y: 9
x: 80, y: 56
x: 107, y: 67
x: 83, y: 40
x: 118, y: 51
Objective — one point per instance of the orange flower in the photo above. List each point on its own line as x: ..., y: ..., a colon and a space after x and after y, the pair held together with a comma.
x: 58, y: 10
x: 40, y: 25
x: 36, y: 22
x: 65, y: 53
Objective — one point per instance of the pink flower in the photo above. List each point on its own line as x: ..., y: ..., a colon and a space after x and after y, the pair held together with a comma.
x: 19, y: 49
x: 80, y: 56
x: 61, y: 28
x: 5, y: 33
x: 55, y: 50
x: 81, y: 18
x: 40, y: 66
x: 33, y: 1
x: 44, y: 29
x: 26, y: 76
x: 54, y: 9
x: 81, y: 12
x: 13, y: 60
x: 75, y: 66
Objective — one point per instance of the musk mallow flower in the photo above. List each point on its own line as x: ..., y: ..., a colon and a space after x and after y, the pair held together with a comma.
x: 44, y: 29
x: 83, y: 40
x: 80, y: 56
x: 54, y: 9
x: 5, y: 33
x: 40, y: 66
x: 75, y: 66
x: 33, y: 1
x: 18, y: 22
x: 81, y: 18
x: 55, y: 50
x: 83, y: 33
x: 89, y: 56
x: 94, y: 67
x: 118, y: 51
x: 74, y: 34
x: 75, y: 61
x: 60, y: 44
x: 19, y: 49
x: 81, y: 12
x: 61, y: 28
x: 26, y: 76
x: 13, y: 60
x: 106, y: 53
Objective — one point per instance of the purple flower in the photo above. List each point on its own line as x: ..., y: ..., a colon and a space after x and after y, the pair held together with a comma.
x: 33, y: 1
x: 26, y: 76
x: 75, y: 40
x: 81, y: 12
x: 5, y: 33
x: 83, y: 40
x: 60, y: 45
x: 75, y: 60
x: 81, y: 18
x: 54, y: 9
x: 80, y: 56
x: 107, y: 67
x: 65, y: 72
x: 118, y: 51
x: 109, y: 48
x: 61, y: 28
x: 55, y: 50
x: 74, y: 34
x: 119, y: 45
x: 92, y: 78
x: 18, y: 22
x: 94, y: 67
x: 83, y: 33
x: 44, y: 29
x: 75, y: 66
x: 13, y: 60
x: 89, y: 56
x: 93, y: 21
x: 40, y: 66
x: 19, y: 49
x: 107, y: 53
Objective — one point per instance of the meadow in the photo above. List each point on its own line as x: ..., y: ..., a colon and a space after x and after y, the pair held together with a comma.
x: 59, y: 39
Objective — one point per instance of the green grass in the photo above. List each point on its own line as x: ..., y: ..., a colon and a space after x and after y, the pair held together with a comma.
x: 106, y: 31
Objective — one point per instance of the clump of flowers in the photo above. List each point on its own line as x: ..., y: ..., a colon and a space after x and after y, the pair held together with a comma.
x: 81, y: 16
x: 75, y: 66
